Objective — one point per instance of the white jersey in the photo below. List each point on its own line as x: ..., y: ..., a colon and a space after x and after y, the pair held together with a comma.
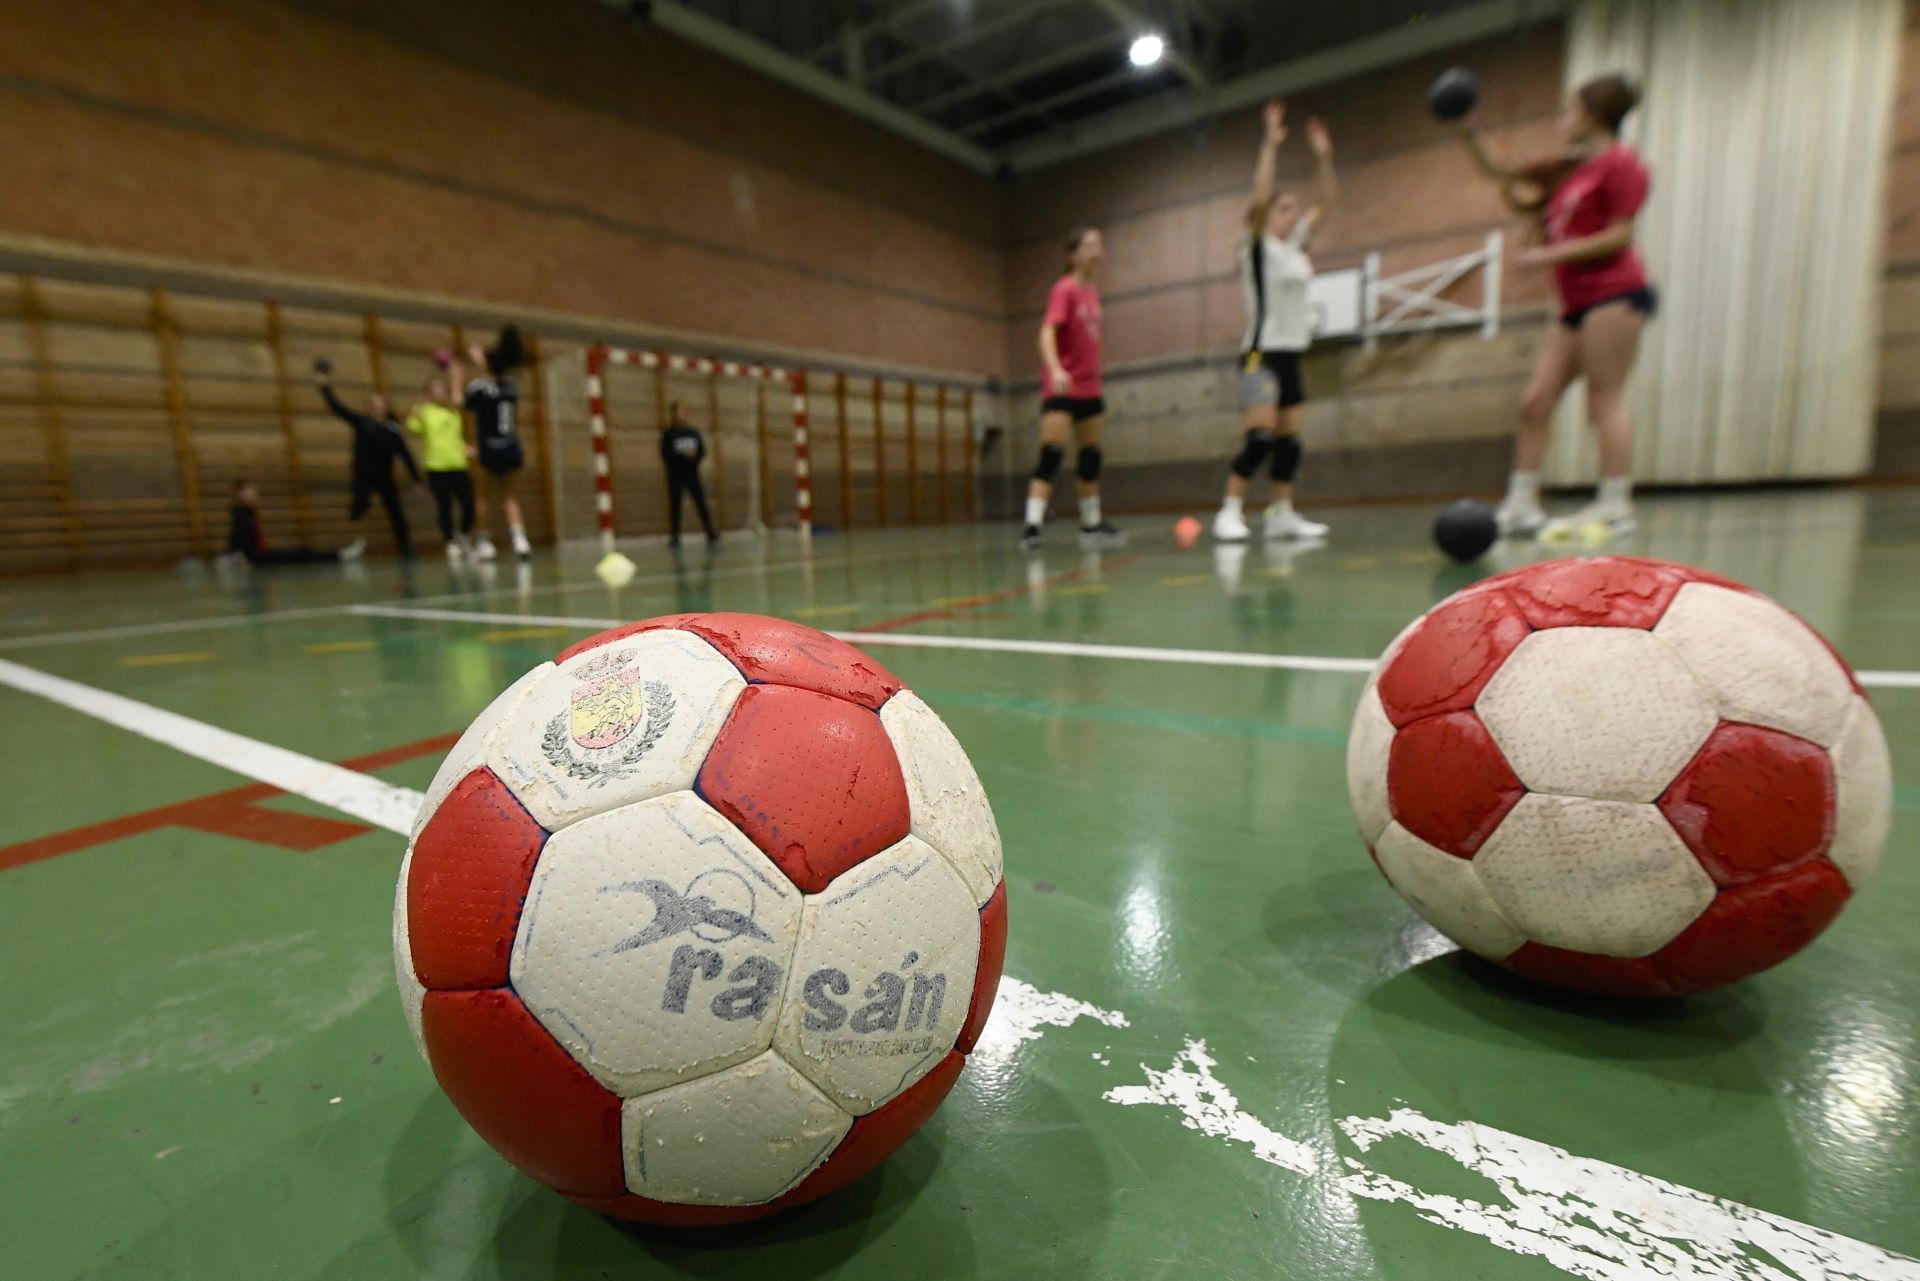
x: 1274, y: 275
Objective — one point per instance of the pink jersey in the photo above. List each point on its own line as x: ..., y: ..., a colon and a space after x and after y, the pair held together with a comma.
x: 1073, y: 312
x: 1605, y: 189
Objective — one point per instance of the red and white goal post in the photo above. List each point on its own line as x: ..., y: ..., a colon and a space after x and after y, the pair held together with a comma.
x: 599, y: 357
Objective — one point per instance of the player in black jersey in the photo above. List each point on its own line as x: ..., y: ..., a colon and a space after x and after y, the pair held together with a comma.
x: 377, y: 441
x: 681, y: 451
x: 493, y: 396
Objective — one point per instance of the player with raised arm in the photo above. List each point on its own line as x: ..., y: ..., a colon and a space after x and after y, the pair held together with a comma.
x: 494, y: 398
x: 1588, y: 199
x: 377, y: 441
x: 443, y: 438
x: 1275, y: 273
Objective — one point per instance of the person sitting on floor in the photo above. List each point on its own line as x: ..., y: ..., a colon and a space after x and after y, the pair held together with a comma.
x: 246, y: 544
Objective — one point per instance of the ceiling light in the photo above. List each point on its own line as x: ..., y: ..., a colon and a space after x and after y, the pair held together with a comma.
x: 1147, y: 50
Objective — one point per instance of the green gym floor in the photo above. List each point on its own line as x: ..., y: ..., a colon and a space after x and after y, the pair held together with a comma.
x: 1225, y: 1047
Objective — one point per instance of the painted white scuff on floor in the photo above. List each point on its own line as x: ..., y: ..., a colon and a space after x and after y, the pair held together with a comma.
x: 1206, y: 1105
x: 1592, y: 1219
x: 1586, y: 1217
x: 1021, y: 1012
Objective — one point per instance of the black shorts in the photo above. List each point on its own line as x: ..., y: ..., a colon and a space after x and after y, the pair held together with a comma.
x: 1080, y: 408
x: 1271, y: 378
x: 503, y: 461
x: 1645, y: 301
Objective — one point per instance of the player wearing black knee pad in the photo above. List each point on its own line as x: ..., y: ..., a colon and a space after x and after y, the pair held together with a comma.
x: 1071, y: 403
x: 1275, y: 273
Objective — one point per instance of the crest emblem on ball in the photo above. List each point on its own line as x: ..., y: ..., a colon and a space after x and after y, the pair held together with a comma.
x: 612, y: 720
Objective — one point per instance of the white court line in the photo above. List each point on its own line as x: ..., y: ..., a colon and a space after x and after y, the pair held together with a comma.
x: 1586, y: 1217
x: 45, y: 639
x: 42, y: 640
x: 475, y: 616
x: 916, y: 640
x: 1139, y: 653
x: 1012, y: 645
x: 349, y: 791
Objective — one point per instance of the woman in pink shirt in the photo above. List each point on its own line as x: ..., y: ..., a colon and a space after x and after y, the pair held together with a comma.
x: 1587, y: 201
x: 1070, y: 400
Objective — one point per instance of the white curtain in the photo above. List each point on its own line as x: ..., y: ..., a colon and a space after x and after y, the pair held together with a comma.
x: 1766, y: 125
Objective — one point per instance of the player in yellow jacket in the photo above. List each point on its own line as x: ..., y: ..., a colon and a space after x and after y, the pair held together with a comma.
x: 442, y: 432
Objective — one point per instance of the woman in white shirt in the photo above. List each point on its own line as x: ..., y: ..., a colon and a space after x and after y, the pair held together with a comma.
x: 1274, y: 274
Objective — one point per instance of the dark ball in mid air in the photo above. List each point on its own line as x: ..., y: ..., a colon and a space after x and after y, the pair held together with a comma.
x: 1465, y: 529
x: 322, y: 365
x: 1453, y: 94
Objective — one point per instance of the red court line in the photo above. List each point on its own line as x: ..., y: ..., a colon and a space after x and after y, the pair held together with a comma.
x: 234, y: 813
x: 990, y: 598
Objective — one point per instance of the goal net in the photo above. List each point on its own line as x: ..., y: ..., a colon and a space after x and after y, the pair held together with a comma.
x: 607, y: 406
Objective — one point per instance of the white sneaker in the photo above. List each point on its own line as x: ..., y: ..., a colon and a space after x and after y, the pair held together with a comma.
x: 454, y: 555
x: 1594, y: 523
x: 521, y: 547
x: 1284, y: 522
x: 483, y: 548
x: 1230, y: 526
x: 1520, y: 519
x: 354, y: 550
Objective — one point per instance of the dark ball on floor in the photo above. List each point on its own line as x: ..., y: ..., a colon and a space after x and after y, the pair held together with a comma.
x: 1453, y: 94
x: 1465, y: 529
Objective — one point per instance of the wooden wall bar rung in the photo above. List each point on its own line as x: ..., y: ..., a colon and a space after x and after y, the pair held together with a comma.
x: 940, y: 444
x: 846, y: 464
x: 58, y: 465
x: 289, y: 428
x: 542, y: 446
x: 376, y: 358
x: 880, y: 451
x: 971, y: 456
x: 176, y: 402
x: 719, y: 470
x: 913, y: 460
x: 760, y: 432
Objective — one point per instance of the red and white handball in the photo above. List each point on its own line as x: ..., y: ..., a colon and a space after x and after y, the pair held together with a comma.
x: 1620, y: 776
x: 700, y: 920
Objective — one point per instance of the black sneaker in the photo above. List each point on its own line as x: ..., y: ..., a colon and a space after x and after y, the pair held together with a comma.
x: 1030, y: 538
x: 1105, y: 534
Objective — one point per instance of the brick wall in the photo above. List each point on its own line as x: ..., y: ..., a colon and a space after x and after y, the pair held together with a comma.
x: 549, y: 156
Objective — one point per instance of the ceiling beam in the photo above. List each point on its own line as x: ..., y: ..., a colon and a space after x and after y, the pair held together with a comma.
x: 866, y: 30
x: 853, y: 42
x: 1164, y: 111
x: 966, y: 35
x: 1085, y: 89
x: 1059, y: 57
x: 710, y: 33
